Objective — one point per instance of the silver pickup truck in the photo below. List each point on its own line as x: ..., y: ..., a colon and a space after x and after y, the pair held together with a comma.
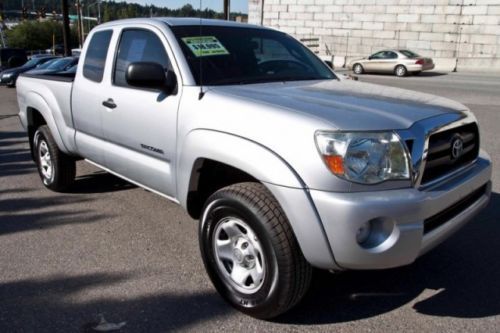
x: 287, y: 165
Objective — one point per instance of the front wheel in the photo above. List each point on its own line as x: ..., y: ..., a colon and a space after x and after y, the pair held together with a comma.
x: 57, y: 170
x: 250, y: 251
x: 358, y: 69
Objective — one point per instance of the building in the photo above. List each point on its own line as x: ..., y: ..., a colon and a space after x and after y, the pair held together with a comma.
x: 462, y: 32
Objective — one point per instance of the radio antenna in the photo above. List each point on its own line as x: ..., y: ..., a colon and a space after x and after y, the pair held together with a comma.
x: 202, y: 93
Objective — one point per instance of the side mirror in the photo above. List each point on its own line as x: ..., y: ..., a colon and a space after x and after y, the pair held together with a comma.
x: 150, y: 75
x: 370, y: 58
x: 329, y: 63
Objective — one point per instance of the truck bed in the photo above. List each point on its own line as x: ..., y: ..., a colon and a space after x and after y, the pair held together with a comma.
x: 63, y: 77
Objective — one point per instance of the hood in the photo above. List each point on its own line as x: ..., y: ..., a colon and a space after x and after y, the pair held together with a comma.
x: 9, y: 71
x: 347, y: 104
x: 17, y: 70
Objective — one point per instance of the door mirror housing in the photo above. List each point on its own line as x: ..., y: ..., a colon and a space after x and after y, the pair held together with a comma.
x: 151, y: 75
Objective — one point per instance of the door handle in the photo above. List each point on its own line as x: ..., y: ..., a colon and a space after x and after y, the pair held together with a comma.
x: 109, y: 103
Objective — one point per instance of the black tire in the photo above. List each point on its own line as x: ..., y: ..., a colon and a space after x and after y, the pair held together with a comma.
x: 63, y: 167
x: 358, y: 69
x: 400, y: 71
x: 288, y: 274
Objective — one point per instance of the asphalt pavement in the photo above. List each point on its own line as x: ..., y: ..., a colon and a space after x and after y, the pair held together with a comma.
x: 110, y: 249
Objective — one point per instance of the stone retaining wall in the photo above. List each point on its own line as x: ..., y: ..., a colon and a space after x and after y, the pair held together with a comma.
x: 442, y: 29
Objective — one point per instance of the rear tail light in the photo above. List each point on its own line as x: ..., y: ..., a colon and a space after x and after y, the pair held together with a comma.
x: 419, y: 62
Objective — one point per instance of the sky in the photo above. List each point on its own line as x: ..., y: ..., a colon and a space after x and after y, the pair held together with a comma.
x: 236, y: 5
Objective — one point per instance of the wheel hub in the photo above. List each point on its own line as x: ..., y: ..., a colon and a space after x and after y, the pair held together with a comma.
x: 244, y: 253
x: 238, y: 255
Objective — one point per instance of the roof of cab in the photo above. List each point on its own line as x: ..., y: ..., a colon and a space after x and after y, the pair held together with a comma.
x: 184, y: 21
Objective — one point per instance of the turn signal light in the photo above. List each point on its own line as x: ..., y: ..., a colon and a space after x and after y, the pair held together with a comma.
x: 335, y: 163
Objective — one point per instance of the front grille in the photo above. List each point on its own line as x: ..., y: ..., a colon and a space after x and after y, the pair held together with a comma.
x: 440, y: 160
x: 441, y: 218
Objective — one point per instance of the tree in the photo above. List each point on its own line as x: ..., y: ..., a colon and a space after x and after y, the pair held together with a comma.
x: 187, y: 11
x: 34, y: 35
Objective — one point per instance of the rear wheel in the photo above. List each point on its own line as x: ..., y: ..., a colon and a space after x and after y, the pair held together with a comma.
x: 250, y: 251
x: 56, y: 169
x: 400, y: 71
x: 358, y: 69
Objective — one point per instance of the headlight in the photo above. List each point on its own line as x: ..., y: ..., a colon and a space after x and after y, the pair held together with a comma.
x: 6, y: 76
x: 364, y: 157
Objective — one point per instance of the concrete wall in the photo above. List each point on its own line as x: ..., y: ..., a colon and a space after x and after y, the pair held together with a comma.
x: 442, y: 29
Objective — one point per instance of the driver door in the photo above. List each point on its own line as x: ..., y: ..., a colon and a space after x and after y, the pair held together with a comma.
x: 375, y: 61
x: 140, y: 124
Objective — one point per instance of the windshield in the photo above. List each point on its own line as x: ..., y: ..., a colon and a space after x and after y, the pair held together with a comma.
x: 47, y: 64
x: 409, y: 54
x: 60, y: 63
x: 230, y: 55
x: 36, y: 61
x: 31, y: 63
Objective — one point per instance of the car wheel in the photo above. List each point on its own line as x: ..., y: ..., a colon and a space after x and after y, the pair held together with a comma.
x: 250, y: 252
x: 56, y: 169
x: 400, y: 71
x: 358, y: 69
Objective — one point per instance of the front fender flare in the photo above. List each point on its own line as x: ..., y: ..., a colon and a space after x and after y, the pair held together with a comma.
x: 269, y: 168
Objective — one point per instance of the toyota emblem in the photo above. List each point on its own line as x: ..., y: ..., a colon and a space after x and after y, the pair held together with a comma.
x: 457, y: 148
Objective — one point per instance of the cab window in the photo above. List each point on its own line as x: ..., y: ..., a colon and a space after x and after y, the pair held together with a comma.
x: 138, y: 45
x: 95, y: 58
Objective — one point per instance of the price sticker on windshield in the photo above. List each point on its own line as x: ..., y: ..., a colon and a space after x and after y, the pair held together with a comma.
x: 203, y: 46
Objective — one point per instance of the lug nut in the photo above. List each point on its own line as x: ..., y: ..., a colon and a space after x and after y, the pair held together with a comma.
x: 244, y: 245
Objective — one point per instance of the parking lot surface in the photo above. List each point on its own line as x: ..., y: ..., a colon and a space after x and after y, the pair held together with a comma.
x: 114, y: 250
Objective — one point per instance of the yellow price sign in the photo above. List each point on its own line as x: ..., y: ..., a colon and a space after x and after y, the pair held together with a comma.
x: 203, y: 46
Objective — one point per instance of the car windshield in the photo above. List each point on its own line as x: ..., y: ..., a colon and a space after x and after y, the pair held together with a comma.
x: 72, y: 69
x: 409, y: 54
x: 60, y: 63
x: 45, y: 65
x: 32, y: 62
x: 36, y: 61
x: 227, y: 55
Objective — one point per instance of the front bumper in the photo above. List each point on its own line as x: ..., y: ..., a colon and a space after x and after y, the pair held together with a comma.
x: 400, y: 215
x: 6, y: 80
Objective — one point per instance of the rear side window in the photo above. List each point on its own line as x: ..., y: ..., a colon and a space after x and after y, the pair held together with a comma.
x: 138, y: 45
x: 391, y: 55
x: 95, y: 59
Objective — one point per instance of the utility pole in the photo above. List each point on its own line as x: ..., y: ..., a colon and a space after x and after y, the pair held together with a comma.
x: 79, y: 21
x: 262, y: 12
x: 227, y: 8
x: 66, y: 31
x: 98, y: 11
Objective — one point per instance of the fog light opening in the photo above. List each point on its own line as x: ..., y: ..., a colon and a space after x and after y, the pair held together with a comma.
x: 373, y: 233
x: 363, y: 232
